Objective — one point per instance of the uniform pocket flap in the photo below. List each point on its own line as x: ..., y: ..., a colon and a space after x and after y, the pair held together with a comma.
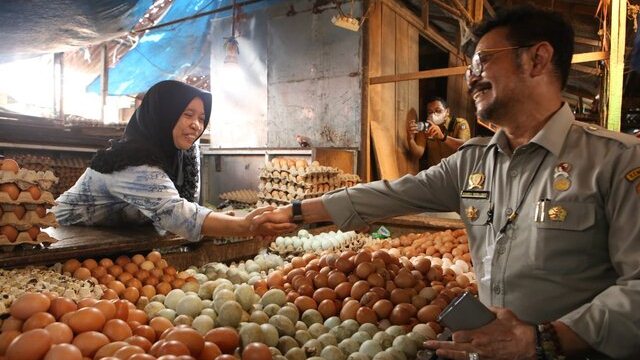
x: 475, y: 211
x: 565, y: 215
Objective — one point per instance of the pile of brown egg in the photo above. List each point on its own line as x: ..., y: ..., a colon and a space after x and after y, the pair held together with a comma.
x: 370, y: 287
x: 129, y: 278
x: 24, y: 199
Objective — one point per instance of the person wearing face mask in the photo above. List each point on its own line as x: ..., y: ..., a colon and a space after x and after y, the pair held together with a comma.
x: 442, y: 138
x: 151, y: 174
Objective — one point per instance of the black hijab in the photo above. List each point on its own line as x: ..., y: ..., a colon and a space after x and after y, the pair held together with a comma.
x: 148, y: 137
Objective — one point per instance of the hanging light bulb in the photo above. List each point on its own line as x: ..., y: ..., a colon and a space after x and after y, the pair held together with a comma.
x: 232, y: 51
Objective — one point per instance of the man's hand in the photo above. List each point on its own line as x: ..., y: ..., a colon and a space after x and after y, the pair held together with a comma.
x: 412, y: 128
x: 269, y: 221
x: 434, y: 132
x: 506, y: 338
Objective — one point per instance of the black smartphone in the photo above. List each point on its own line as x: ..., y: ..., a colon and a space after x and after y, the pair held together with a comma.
x: 465, y: 312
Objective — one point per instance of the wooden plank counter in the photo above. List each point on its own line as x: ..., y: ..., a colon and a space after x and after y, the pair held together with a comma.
x: 97, y: 242
x: 86, y: 242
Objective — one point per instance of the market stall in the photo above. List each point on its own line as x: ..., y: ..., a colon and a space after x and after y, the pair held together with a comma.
x: 319, y: 292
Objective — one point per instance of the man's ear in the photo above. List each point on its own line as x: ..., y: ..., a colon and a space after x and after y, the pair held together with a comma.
x: 542, y: 56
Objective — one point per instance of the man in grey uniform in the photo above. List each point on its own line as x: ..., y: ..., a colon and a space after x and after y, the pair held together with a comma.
x: 550, y: 204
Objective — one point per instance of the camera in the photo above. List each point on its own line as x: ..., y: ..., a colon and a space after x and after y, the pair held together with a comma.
x: 423, y: 125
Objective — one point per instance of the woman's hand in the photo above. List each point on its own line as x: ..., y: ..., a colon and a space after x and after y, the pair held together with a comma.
x: 274, y: 222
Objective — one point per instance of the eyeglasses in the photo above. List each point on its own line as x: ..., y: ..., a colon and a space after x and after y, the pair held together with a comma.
x: 482, y: 57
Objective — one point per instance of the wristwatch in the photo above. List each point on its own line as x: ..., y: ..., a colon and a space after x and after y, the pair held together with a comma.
x: 297, y: 211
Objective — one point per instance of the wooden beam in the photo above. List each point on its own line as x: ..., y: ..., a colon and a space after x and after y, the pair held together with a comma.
x: 465, y: 14
x: 426, y: 74
x: 425, y: 13
x: 587, y: 41
x: 589, y: 56
x: 429, y: 33
x: 460, y: 70
x: 579, y: 92
x: 490, y: 10
x: 476, y: 9
x: 572, y: 8
x: 586, y: 69
x: 616, y: 63
x: 450, y: 9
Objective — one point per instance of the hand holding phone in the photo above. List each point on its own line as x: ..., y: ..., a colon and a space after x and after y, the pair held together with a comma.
x: 465, y: 312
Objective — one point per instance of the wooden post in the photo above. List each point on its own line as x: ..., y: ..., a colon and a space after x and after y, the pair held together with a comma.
x: 476, y: 9
x: 104, y: 80
x: 425, y: 14
x: 58, y: 85
x: 616, y: 63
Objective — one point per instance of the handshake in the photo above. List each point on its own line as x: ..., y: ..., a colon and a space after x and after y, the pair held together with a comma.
x: 270, y: 221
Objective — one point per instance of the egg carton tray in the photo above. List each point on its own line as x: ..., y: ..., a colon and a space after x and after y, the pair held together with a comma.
x: 313, y: 169
x: 243, y: 196
x: 29, y: 207
x: 290, y: 196
x: 29, y: 219
x: 24, y: 240
x: 275, y: 174
x: 26, y: 178
x: 46, y: 198
x: 286, y: 185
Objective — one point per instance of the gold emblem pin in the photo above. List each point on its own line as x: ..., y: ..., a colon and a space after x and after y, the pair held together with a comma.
x: 562, y: 183
x: 472, y: 213
x: 476, y: 181
x: 557, y: 213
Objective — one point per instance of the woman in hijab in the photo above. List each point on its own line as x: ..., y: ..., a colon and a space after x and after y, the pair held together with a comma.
x: 151, y: 174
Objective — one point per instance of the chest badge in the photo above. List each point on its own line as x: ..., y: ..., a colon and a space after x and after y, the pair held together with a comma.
x: 472, y: 213
x: 561, y: 180
x: 476, y: 181
x: 561, y: 183
x: 557, y: 214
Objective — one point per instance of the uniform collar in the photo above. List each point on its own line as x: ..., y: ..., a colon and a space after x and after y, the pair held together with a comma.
x: 550, y: 137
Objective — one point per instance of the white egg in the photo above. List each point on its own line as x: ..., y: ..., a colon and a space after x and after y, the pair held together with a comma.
x: 297, y: 242
x: 456, y: 269
x: 463, y: 265
x: 326, y: 244
x: 303, y: 233
x: 279, y: 241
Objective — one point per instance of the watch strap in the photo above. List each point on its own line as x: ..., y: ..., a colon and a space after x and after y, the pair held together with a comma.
x: 297, y: 211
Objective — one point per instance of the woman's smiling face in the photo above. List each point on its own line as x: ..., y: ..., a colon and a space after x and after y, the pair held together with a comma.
x: 190, y: 125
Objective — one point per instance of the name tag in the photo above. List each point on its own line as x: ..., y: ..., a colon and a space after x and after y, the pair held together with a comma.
x: 474, y: 194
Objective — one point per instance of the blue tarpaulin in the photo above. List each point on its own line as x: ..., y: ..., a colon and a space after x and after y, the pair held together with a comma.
x: 171, y: 52
x: 36, y: 27
x: 166, y: 53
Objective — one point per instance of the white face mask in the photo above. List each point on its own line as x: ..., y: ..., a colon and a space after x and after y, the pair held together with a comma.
x: 438, y: 118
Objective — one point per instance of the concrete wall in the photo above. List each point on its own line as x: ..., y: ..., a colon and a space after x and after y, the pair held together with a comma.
x: 303, y: 76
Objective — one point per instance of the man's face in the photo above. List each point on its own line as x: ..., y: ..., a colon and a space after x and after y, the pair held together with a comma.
x: 436, y: 112
x: 500, y: 86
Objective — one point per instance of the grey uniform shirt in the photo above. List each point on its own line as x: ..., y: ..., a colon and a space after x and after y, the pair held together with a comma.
x: 573, y: 251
